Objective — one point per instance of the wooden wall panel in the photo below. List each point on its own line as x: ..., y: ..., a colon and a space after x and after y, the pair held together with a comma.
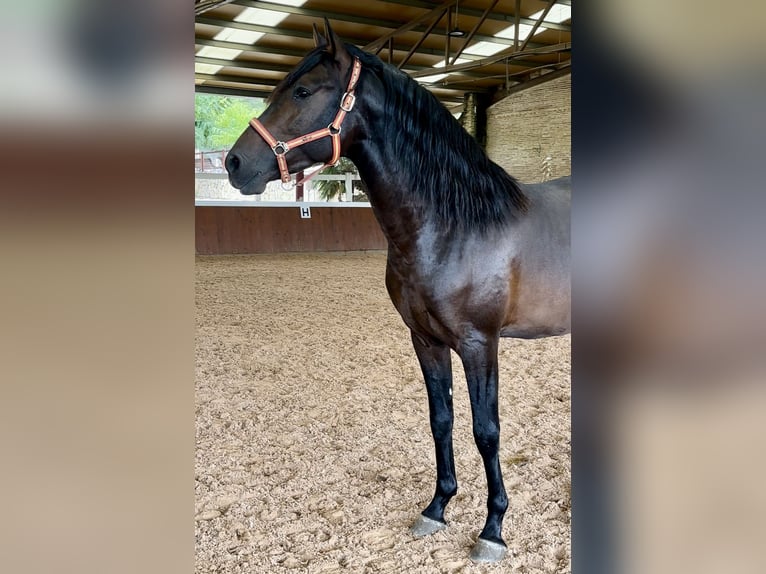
x: 223, y: 230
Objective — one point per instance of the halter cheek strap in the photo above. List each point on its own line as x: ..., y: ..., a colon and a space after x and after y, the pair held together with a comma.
x: 332, y: 131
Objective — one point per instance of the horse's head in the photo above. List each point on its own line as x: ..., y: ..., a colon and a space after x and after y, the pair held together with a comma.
x: 301, y: 125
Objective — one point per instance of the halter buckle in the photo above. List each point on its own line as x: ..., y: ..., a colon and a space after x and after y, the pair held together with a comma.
x: 282, y: 145
x: 347, y: 102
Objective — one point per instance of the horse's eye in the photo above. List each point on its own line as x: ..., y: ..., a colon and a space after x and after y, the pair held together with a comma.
x: 301, y: 92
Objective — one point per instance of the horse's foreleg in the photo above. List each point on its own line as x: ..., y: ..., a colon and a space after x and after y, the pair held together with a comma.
x: 480, y: 362
x: 435, y: 362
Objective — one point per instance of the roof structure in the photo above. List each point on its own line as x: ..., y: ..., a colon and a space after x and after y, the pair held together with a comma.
x: 245, y: 47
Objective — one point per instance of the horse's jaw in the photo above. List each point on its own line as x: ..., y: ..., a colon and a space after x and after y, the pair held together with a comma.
x: 256, y: 185
x: 253, y: 188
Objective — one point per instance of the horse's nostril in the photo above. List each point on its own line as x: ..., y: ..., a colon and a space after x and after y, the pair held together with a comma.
x: 232, y: 163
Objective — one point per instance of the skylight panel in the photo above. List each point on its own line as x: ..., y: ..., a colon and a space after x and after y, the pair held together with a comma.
x: 484, y: 48
x: 296, y: 3
x: 267, y: 17
x: 262, y: 17
x: 459, y: 61
x: 200, y: 68
x: 220, y: 53
x: 214, y: 52
x: 250, y: 16
x: 241, y: 36
x: 437, y: 77
x: 510, y: 32
x: 431, y: 79
x: 558, y: 14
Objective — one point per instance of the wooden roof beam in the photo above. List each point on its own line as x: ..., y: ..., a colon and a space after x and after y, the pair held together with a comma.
x: 373, y: 46
x: 474, y: 29
x: 201, y: 6
x: 506, y: 54
x: 420, y: 41
x: 537, y: 24
x: 492, y: 16
x: 280, y: 31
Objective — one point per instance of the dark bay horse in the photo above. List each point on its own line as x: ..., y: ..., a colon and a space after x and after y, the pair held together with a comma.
x: 473, y: 255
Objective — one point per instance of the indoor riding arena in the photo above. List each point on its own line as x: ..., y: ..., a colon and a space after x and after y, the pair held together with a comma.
x: 313, y: 446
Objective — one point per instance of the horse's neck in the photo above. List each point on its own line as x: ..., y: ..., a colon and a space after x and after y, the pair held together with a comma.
x: 390, y: 193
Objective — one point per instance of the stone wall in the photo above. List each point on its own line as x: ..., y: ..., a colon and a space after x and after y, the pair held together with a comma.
x: 529, y: 132
x: 205, y: 188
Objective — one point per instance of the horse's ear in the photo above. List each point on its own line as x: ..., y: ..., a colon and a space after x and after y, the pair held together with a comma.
x: 335, y: 44
x: 319, y: 40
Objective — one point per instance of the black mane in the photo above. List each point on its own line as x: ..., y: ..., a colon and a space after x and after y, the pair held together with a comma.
x: 447, y: 166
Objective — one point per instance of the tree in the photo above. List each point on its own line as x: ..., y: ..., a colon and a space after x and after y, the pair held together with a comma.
x: 331, y: 188
x: 219, y: 120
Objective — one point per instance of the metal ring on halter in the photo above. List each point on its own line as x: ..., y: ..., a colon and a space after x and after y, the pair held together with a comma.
x: 333, y: 130
x: 282, y: 145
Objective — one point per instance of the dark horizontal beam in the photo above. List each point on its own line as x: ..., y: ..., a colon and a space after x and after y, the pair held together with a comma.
x: 313, y: 13
x: 281, y: 31
x: 510, y: 55
x: 562, y: 71
x: 246, y: 65
x: 241, y: 64
x: 526, y: 75
x: 346, y: 17
x: 201, y: 6
x: 444, y: 94
x: 457, y: 86
x: 233, y: 79
x: 301, y: 53
x: 252, y: 27
x: 208, y: 89
x: 259, y: 48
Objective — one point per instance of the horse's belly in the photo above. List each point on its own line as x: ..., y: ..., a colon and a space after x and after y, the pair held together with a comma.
x: 545, y: 312
x: 533, y: 332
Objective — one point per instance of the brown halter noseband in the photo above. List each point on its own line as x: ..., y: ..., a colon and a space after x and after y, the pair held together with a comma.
x: 281, y: 148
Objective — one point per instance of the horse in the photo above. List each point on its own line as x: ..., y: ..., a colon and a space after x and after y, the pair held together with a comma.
x: 473, y: 255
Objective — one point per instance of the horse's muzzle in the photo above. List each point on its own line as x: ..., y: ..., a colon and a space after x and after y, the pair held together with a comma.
x: 232, y: 163
x: 251, y: 183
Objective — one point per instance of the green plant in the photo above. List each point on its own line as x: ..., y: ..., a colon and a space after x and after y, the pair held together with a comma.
x: 219, y: 120
x: 329, y: 189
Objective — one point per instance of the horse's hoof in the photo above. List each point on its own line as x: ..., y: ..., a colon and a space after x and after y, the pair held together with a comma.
x: 487, y: 551
x: 425, y: 526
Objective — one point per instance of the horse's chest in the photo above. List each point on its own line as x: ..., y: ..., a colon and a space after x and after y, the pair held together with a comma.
x: 417, y: 300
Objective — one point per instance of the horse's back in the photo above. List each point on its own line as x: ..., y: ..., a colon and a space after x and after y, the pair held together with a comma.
x: 555, y: 194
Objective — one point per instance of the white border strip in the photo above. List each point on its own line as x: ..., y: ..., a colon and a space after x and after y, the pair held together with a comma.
x: 322, y: 176
x: 248, y: 203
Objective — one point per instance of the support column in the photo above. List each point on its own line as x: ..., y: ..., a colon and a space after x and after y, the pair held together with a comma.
x: 474, y: 117
x: 299, y: 187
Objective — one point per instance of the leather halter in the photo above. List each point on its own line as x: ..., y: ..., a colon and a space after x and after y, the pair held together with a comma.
x: 281, y: 148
